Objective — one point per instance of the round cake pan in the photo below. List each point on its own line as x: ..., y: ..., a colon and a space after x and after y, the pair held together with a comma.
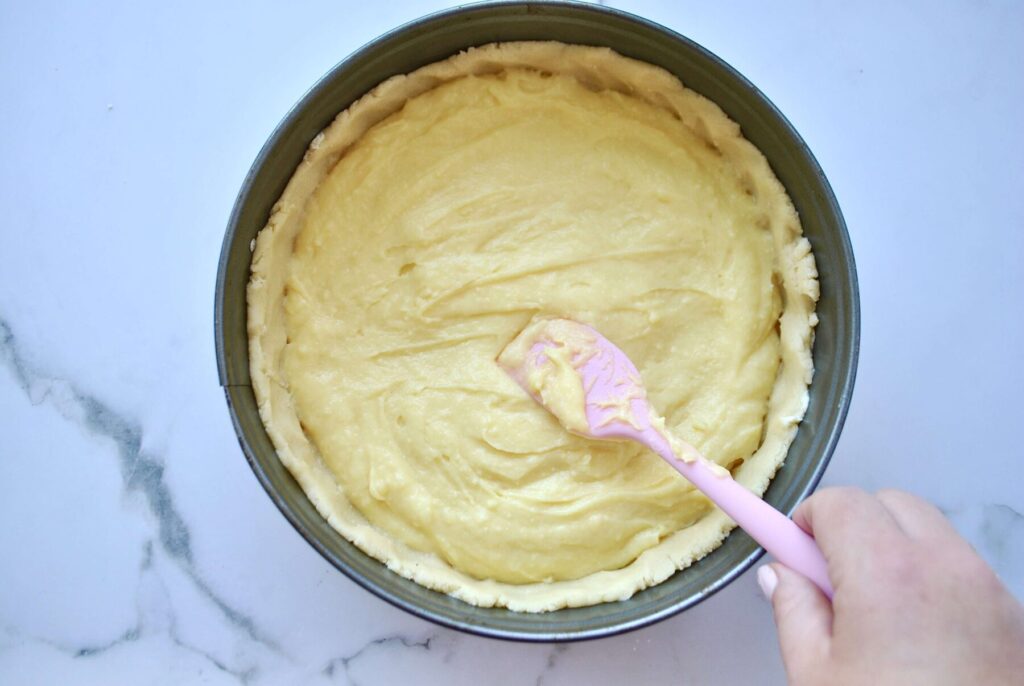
x: 436, y: 37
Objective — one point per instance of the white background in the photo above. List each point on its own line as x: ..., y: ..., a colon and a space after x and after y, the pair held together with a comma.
x: 137, y: 546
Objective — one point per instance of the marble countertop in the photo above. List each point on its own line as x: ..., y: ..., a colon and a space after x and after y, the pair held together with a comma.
x: 138, y: 546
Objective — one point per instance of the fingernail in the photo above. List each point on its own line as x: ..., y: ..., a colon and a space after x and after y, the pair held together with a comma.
x: 767, y: 579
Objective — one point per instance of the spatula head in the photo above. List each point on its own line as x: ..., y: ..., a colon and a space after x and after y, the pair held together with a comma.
x: 581, y: 377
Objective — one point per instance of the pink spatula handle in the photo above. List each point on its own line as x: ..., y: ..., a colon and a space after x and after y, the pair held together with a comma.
x: 616, y: 408
x: 774, y: 531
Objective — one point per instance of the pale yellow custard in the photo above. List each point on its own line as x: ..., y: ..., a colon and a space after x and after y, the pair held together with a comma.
x: 556, y: 385
x: 435, y: 218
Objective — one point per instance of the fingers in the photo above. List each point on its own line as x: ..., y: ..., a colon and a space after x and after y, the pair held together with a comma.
x: 846, y: 519
x: 803, y: 617
x: 918, y: 518
x: 858, y: 532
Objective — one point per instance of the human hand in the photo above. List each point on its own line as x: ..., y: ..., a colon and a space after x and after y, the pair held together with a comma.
x: 913, y: 604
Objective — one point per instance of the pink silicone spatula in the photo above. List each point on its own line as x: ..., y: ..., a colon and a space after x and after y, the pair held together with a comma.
x: 594, y: 390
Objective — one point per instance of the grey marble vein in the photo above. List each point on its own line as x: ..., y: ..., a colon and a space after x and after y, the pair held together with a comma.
x: 996, y: 530
x: 128, y: 636
x: 999, y: 519
x: 141, y: 628
x: 141, y: 471
x: 554, y: 656
x: 244, y: 676
x: 346, y: 661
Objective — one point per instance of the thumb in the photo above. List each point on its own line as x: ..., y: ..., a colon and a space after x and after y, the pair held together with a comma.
x: 803, y: 617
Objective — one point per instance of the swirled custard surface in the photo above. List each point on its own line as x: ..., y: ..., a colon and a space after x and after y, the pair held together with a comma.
x: 415, y: 243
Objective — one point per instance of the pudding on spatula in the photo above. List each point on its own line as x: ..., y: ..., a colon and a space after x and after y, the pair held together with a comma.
x: 594, y: 390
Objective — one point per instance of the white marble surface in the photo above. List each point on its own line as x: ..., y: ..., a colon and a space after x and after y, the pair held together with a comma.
x: 138, y: 546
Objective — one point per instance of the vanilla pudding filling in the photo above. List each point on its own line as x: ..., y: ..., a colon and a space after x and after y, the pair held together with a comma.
x: 439, y: 214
